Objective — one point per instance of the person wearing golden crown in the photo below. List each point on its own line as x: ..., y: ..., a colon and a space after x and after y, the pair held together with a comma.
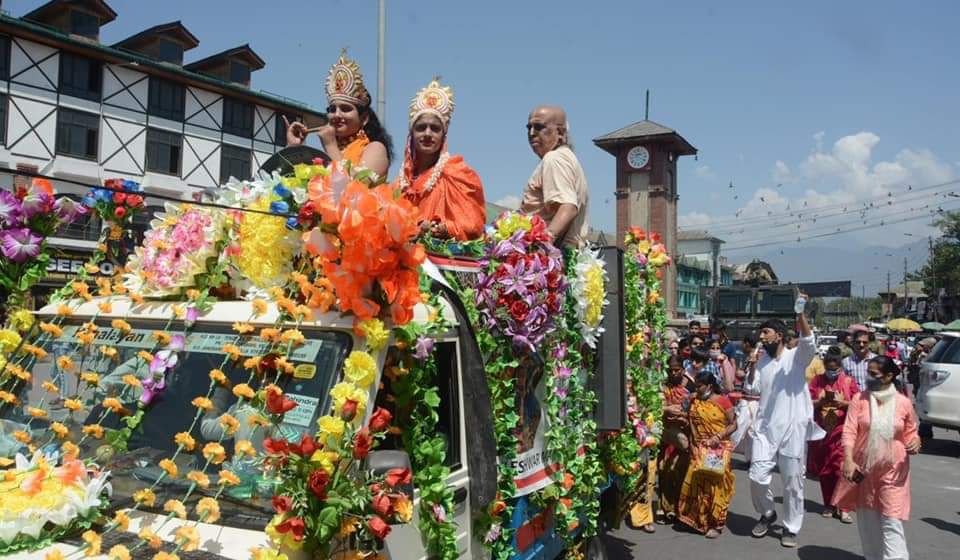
x: 354, y: 132
x: 446, y: 190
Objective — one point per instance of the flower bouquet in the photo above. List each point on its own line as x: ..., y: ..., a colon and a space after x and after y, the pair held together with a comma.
x: 521, y: 286
x: 27, y: 217
x: 40, y: 500
x: 588, y: 288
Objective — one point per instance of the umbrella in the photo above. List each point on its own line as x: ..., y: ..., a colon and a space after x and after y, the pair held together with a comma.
x: 904, y: 325
x: 857, y: 327
x: 933, y: 326
x: 953, y: 325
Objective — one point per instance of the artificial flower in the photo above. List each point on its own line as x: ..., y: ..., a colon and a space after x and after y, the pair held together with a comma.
x: 145, y: 497
x: 375, y: 333
x: 185, y: 441
x: 360, y: 368
x: 175, y: 507
x: 208, y: 510
x: 169, y: 467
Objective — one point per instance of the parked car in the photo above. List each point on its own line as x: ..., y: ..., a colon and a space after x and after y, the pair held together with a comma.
x: 824, y: 342
x: 938, y: 398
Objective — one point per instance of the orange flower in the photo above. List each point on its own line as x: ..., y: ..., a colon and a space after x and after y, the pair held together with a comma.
x: 121, y: 325
x: 244, y: 447
x: 214, y: 452
x: 65, y: 363
x: 175, y: 507
x: 131, y: 380
x: 59, y: 429
x: 232, y: 351
x: 90, y: 378
x: 73, y: 404
x: 113, y: 404
x: 270, y: 334
x: 185, y: 440
x: 52, y: 330
x: 202, y: 403
x: 243, y: 328
x: 145, y: 356
x: 208, y: 510
x: 105, y: 307
x: 199, y: 478
x: 64, y: 310
x: 70, y: 472
x: 151, y: 538
x: 218, y: 377
x: 94, y: 430
x: 36, y: 412
x: 169, y: 467
x: 259, y: 307
x: 162, y: 338
x: 145, y: 497
x: 50, y: 387
x: 244, y: 391
x: 229, y: 424
x: 121, y: 520
x: 70, y: 450
x: 227, y: 478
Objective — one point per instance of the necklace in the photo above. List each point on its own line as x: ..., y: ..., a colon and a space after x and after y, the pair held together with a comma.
x: 344, y: 142
x: 434, y: 175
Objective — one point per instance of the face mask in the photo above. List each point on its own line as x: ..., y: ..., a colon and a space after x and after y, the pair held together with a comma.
x: 832, y: 374
x: 704, y: 395
x: 874, y: 384
x: 714, y: 354
x: 685, y: 352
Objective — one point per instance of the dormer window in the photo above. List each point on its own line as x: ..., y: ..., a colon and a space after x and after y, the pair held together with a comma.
x: 84, y: 24
x: 239, y: 72
x: 168, y: 51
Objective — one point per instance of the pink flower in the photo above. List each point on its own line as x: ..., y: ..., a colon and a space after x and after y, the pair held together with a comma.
x: 20, y: 244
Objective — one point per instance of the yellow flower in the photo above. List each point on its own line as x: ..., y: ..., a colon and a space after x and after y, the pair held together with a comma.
x: 653, y: 297
x: 131, y: 380
x: 244, y: 391
x: 52, y: 330
x: 243, y: 328
x: 50, y: 387
x: 269, y: 334
x: 193, y: 294
x: 227, y: 478
x: 73, y: 405
x: 151, y: 538
x: 252, y: 362
x: 341, y: 392
x: 404, y: 508
x: 54, y: 554
x: 259, y: 307
x: 260, y: 553
x: 324, y: 460
x: 21, y: 320
x: 199, y: 478
x: 145, y: 497
x: 113, y: 404
x: 185, y: 440
x: 208, y: 510
x: 8, y: 397
x: 179, y: 311
x: 347, y: 527
x: 40, y: 353
x: 64, y: 310
x: 285, y: 540
x: 22, y: 436
x: 165, y: 556
x: 232, y: 350
x: 121, y: 520
x: 118, y: 552
x: 59, y: 429
x: 257, y: 420
x: 214, y: 452
x: 161, y: 337
x: 121, y: 325
x: 375, y: 333
x: 36, y: 412
x: 284, y: 365
x: 332, y: 427
x: 175, y: 507
x: 170, y: 467
x: 95, y: 430
x: 202, y: 403
x: 145, y: 356
x: 244, y: 447
x: 360, y: 368
x: 65, y: 363
x: 229, y: 424
x: 292, y: 336
x: 218, y: 377
x: 70, y: 450
x: 90, y: 378
x: 275, y: 292
x: 512, y: 223
x: 93, y: 543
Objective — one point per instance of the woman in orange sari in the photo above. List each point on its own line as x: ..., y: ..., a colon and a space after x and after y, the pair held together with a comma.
x: 354, y: 133
x: 447, y: 191
x: 705, y: 497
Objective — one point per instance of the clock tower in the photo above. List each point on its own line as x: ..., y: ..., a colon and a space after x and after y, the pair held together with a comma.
x: 646, y: 188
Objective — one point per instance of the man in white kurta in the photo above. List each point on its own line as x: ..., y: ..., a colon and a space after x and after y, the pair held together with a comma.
x: 783, y: 425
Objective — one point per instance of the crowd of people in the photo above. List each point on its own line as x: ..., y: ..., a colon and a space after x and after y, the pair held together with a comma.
x: 844, y: 417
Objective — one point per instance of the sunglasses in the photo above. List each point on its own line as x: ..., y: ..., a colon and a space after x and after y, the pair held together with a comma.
x: 537, y: 127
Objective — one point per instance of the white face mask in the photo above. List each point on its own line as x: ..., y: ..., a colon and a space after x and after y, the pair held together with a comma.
x: 715, y: 354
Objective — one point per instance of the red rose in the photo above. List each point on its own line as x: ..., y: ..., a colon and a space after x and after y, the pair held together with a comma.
x: 277, y: 403
x: 380, y: 420
x: 318, y: 482
x: 381, y: 504
x: 361, y: 444
x: 553, y: 302
x: 553, y: 280
x: 378, y: 527
x: 519, y: 310
x: 268, y: 364
x: 119, y: 211
x: 295, y: 526
x: 306, y: 447
x: 307, y: 214
x: 276, y: 446
x: 134, y: 200
x: 282, y: 504
x: 119, y: 197
x: 397, y: 477
x: 349, y: 410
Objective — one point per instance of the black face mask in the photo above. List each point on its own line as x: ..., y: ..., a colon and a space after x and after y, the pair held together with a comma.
x: 874, y: 384
x: 832, y: 374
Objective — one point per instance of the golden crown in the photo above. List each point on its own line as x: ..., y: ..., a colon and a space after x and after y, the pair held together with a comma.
x: 435, y: 99
x: 345, y: 82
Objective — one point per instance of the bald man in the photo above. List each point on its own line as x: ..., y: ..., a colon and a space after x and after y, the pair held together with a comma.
x: 557, y: 190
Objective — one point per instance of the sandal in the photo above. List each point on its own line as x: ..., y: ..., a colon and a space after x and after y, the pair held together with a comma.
x: 712, y: 534
x: 649, y: 528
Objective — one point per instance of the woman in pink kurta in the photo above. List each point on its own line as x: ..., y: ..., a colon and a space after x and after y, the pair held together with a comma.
x: 879, y: 434
x: 831, y: 391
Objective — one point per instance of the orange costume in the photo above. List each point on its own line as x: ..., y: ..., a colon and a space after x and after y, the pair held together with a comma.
x: 450, y: 192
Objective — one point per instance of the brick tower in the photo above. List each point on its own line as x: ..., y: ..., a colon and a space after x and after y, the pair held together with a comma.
x: 646, y: 188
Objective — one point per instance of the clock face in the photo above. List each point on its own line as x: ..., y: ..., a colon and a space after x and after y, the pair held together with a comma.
x: 638, y: 157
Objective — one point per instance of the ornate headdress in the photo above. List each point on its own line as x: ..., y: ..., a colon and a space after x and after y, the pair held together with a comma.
x: 345, y: 82
x: 434, y: 99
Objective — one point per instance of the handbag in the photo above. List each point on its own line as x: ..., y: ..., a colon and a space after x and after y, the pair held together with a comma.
x: 712, y: 461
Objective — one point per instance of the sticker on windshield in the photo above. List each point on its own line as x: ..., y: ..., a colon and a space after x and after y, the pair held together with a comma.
x: 302, y: 414
x: 305, y: 371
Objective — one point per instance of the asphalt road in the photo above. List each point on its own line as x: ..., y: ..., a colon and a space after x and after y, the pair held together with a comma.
x: 933, y: 532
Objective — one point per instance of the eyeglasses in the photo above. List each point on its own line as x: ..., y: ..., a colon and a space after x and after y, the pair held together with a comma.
x: 537, y: 127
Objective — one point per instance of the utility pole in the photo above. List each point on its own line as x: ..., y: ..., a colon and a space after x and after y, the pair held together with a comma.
x: 906, y: 289
x: 894, y: 299
x: 381, y: 64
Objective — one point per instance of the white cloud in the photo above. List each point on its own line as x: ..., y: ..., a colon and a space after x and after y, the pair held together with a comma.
x: 704, y: 172
x: 694, y: 220
x: 781, y: 172
x: 509, y: 201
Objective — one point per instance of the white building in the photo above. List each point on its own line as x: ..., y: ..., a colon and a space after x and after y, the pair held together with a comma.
x: 74, y: 108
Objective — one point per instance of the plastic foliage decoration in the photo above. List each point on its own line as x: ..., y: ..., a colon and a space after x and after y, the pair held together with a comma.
x: 417, y: 398
x: 647, y: 355
x: 182, y: 246
x: 28, y: 216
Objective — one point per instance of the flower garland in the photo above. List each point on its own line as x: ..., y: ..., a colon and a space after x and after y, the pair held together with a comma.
x: 588, y: 288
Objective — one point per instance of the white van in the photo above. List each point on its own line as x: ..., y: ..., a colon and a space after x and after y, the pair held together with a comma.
x: 938, y: 397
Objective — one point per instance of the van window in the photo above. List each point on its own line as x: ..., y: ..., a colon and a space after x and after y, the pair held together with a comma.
x: 946, y: 351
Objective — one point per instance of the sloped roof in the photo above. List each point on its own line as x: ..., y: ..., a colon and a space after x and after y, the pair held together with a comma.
x: 44, y: 11
x: 645, y: 130
x: 173, y: 29
x: 696, y: 235
x: 243, y: 51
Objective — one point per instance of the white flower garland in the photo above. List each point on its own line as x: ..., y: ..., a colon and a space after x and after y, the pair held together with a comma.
x: 589, y: 291
x: 434, y: 175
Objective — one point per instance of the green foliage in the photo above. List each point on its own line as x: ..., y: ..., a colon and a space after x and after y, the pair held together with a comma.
x: 942, y: 270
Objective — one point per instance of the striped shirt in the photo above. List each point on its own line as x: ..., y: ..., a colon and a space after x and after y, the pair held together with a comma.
x: 857, y: 368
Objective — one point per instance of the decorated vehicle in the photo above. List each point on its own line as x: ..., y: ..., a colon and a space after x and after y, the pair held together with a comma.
x: 285, y: 373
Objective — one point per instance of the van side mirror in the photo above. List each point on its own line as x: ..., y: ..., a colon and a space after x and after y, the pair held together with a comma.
x: 384, y: 460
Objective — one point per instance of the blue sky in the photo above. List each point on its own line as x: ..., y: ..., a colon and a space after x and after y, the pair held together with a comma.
x: 748, y: 83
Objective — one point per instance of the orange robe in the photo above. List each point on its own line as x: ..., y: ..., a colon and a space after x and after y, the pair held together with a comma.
x: 354, y: 150
x: 456, y: 200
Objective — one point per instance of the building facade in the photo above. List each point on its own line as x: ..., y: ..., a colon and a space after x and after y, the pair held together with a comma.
x: 75, y: 109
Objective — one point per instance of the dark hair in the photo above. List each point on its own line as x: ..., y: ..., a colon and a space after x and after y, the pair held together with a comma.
x: 707, y: 378
x: 714, y: 339
x: 683, y: 342
x: 886, y: 365
x: 750, y: 339
x: 375, y: 131
x: 776, y: 325
x: 674, y: 361
x: 718, y: 325
x: 692, y: 323
x: 698, y: 355
x: 860, y: 332
x: 833, y: 354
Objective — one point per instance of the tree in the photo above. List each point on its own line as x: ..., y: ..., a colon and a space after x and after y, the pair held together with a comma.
x: 942, y: 270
